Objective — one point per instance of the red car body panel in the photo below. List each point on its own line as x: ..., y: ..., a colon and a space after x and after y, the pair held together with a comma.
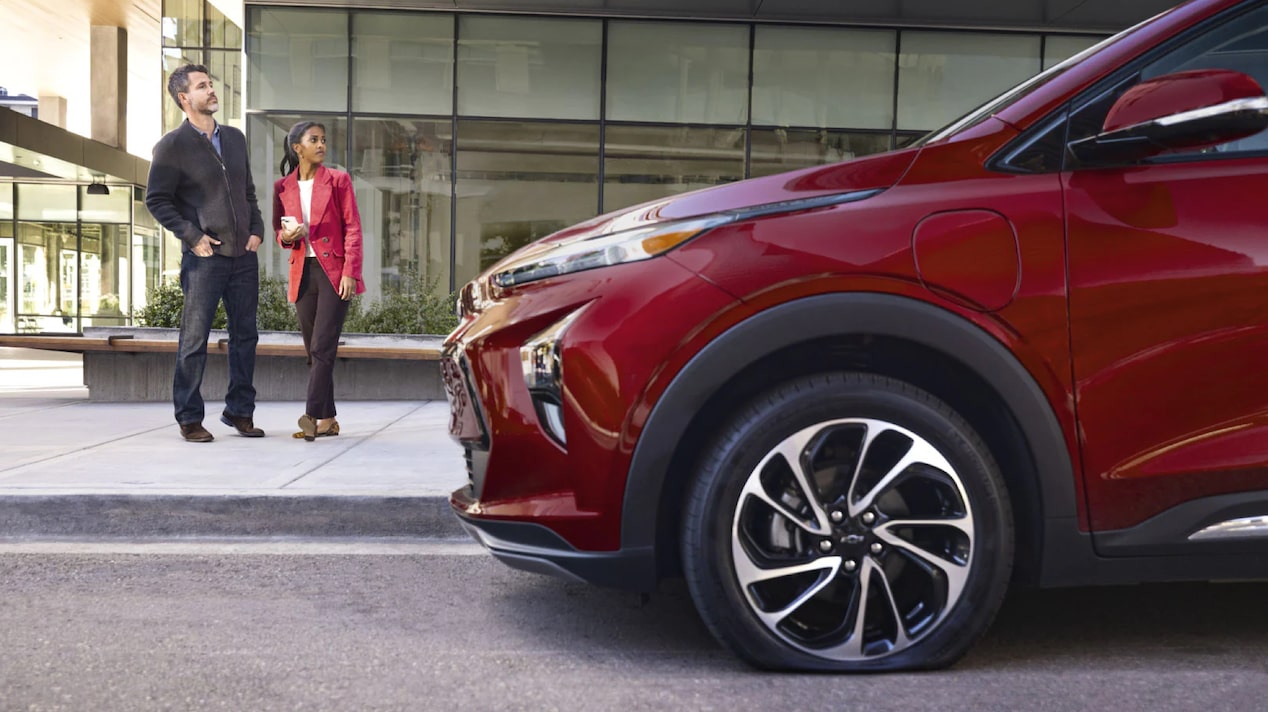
x: 1135, y: 298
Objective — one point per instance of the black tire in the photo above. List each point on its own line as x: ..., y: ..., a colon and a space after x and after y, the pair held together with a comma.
x: 927, y: 547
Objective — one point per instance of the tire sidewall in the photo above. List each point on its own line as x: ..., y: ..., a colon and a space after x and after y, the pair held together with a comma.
x: 789, y: 408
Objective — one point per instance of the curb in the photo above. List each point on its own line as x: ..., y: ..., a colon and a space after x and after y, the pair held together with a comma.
x: 141, y: 516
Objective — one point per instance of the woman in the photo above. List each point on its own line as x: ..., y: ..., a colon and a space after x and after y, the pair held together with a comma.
x: 324, y: 239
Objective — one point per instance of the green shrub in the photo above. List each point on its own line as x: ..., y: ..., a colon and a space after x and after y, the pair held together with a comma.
x: 413, y: 307
x: 164, y: 305
x: 275, y: 313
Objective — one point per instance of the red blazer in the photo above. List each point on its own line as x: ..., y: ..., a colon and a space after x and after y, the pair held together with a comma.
x: 334, y: 227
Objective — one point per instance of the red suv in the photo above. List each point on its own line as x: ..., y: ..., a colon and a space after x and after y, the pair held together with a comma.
x: 851, y: 404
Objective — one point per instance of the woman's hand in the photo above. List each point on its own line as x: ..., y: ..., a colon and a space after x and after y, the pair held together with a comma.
x: 347, y: 288
x: 290, y: 236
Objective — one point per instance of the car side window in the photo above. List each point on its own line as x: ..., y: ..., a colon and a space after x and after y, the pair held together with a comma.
x: 1239, y: 44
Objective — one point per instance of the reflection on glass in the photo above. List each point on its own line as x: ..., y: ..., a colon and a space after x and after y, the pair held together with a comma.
x: 182, y: 23
x: 402, y: 62
x: 816, y: 76
x: 779, y: 150
x: 226, y: 74
x: 401, y: 173
x: 645, y: 163
x: 46, y: 202
x: 519, y: 181
x: 266, y: 136
x: 532, y: 68
x: 174, y: 59
x: 223, y: 32
x: 943, y: 75
x: 6, y: 201
x: 677, y: 72
x: 48, y: 277
x: 104, y: 275
x: 297, y: 58
x: 1058, y: 48
x: 7, y: 323
x: 146, y: 253
x: 115, y: 207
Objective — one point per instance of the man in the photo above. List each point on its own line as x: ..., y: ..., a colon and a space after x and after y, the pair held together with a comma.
x: 201, y: 189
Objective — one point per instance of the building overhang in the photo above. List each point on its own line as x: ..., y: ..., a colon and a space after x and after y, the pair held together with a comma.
x: 1030, y: 15
x: 33, y: 149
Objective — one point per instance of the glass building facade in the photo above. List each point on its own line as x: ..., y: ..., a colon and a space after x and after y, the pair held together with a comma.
x: 70, y: 258
x: 468, y: 135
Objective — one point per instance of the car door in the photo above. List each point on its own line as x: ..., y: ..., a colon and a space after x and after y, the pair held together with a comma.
x: 1168, y: 290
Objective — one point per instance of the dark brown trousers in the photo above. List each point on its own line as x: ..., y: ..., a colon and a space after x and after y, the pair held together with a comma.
x: 321, y: 313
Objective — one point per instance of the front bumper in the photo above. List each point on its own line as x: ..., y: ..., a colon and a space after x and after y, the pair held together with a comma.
x: 533, y: 547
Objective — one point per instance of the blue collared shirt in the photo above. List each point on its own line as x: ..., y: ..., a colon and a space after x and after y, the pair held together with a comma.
x: 215, y: 138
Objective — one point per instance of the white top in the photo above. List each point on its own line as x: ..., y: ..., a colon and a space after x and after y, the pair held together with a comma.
x: 306, y: 202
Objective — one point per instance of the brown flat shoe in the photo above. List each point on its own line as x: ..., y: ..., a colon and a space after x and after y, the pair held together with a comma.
x: 307, y: 428
x: 196, y: 433
x: 331, y: 429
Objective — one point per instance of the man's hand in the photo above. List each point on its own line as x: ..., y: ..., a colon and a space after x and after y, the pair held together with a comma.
x: 203, y: 248
x: 254, y: 242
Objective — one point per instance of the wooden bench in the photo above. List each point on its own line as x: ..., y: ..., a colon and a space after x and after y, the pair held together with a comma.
x: 135, y: 364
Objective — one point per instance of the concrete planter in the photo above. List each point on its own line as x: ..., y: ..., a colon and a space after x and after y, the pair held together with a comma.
x: 378, y: 367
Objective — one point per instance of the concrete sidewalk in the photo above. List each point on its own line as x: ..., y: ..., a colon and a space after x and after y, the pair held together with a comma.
x: 74, y: 468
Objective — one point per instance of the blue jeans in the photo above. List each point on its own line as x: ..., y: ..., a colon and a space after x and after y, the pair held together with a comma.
x: 205, y: 282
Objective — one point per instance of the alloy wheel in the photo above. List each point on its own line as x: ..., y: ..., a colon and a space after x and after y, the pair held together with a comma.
x: 852, y: 539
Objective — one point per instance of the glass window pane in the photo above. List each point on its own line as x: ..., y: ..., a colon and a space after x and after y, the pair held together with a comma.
x: 182, y: 23
x: 46, y: 202
x: 297, y: 59
x: 644, y: 163
x: 226, y: 75
x: 223, y: 31
x: 402, y: 63
x: 103, y: 274
x: 116, y: 207
x: 401, y: 172
x: 523, y: 67
x: 266, y: 137
x: 6, y: 201
x: 518, y: 181
x: 8, y: 324
x: 943, y: 75
x: 811, y: 76
x: 48, y: 277
x: 174, y: 59
x: 146, y: 254
x: 677, y: 72
x: 779, y: 150
x: 1058, y: 48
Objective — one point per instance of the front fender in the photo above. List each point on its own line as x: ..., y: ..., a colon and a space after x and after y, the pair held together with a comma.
x: 835, y: 315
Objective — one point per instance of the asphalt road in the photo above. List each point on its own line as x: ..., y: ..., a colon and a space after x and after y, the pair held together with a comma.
x: 445, y: 627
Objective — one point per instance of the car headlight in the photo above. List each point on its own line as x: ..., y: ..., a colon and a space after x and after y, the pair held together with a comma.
x: 604, y: 249
x: 616, y: 248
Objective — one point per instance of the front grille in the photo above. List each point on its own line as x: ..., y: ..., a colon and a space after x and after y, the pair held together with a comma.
x: 466, y: 456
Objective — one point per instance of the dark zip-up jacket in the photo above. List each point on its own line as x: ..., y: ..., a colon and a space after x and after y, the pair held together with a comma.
x: 193, y: 191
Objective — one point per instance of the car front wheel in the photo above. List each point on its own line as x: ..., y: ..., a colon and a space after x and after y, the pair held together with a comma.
x: 847, y: 522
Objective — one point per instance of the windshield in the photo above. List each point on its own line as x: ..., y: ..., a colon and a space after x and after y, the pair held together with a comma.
x: 995, y: 105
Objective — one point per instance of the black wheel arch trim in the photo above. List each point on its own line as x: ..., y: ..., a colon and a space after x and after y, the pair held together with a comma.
x: 843, y: 314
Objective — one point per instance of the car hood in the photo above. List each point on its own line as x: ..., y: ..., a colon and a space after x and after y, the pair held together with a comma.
x: 869, y: 173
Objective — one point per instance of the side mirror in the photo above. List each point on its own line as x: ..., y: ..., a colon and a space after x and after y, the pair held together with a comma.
x: 1193, y: 109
